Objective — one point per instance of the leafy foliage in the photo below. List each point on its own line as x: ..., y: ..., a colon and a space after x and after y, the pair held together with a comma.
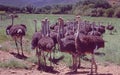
x: 94, y: 8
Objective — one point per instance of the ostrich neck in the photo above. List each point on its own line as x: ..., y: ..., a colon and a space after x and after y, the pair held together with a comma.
x: 78, y: 29
x: 35, y: 27
x: 12, y: 20
x: 60, y: 43
x: 59, y: 39
x: 47, y: 29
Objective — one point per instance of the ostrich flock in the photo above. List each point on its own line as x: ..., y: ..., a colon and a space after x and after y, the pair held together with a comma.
x: 75, y: 37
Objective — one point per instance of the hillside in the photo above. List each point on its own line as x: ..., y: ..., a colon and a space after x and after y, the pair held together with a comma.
x: 37, y: 3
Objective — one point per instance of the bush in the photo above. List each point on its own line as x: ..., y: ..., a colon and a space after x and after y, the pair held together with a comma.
x: 88, y: 12
x: 109, y: 12
x: 100, y: 11
x: 117, y: 13
x: 94, y: 13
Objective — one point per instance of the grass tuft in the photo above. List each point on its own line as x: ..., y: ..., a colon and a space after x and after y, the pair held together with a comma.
x: 13, y: 64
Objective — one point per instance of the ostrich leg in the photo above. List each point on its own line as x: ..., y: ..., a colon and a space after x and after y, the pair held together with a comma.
x: 79, y: 64
x: 39, y: 57
x: 50, y: 58
x: 54, y: 50
x: 21, y: 46
x: 44, y: 58
x: 75, y: 66
x: 73, y: 61
x: 16, y: 46
x: 93, y: 63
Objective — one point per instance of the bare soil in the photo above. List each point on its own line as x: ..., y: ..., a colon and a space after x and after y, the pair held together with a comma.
x: 60, y: 69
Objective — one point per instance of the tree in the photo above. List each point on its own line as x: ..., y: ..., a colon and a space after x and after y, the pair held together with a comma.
x: 109, y: 12
x: 100, y: 11
x: 117, y: 13
x: 30, y: 9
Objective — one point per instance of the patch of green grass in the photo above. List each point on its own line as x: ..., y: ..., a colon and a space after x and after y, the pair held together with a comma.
x: 13, y: 64
x: 4, y: 48
x: 3, y: 37
x: 33, y: 59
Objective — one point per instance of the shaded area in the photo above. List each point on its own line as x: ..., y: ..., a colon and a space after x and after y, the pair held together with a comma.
x: 19, y: 56
x: 56, y: 60
x: 82, y: 72
x: 48, y: 69
x: 101, y: 74
x: 100, y: 53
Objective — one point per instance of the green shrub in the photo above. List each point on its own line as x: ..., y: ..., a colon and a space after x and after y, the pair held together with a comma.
x: 109, y: 12
x: 100, y: 11
x: 33, y: 59
x: 117, y: 13
x: 94, y: 13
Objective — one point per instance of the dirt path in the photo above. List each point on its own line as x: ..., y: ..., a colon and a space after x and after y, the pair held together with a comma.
x: 61, y: 69
x: 102, y: 70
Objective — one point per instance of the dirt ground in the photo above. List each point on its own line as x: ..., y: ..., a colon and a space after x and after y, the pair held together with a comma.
x: 61, y: 69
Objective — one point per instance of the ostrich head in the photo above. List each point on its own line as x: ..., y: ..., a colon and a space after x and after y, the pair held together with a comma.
x: 78, y: 18
x: 35, y: 20
x: 46, y: 19
x: 13, y: 16
x: 60, y: 21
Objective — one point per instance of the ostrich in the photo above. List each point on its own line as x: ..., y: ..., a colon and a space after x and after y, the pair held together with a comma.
x: 98, y: 29
x: 46, y: 43
x: 110, y: 28
x: 88, y: 44
x: 17, y: 32
x: 94, y: 32
x: 101, y: 28
x: 34, y: 43
x: 66, y: 44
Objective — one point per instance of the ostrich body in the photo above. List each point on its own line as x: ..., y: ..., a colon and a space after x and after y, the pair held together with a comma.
x: 67, y: 43
x: 36, y: 36
x: 110, y: 28
x: 34, y: 43
x: 88, y: 44
x: 46, y: 43
x: 53, y: 35
x: 16, y: 32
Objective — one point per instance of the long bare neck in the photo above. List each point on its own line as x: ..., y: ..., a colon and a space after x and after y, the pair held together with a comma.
x: 60, y: 44
x: 12, y: 20
x: 78, y: 29
x: 93, y: 27
x: 47, y: 28
x: 60, y: 30
x: 35, y: 26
